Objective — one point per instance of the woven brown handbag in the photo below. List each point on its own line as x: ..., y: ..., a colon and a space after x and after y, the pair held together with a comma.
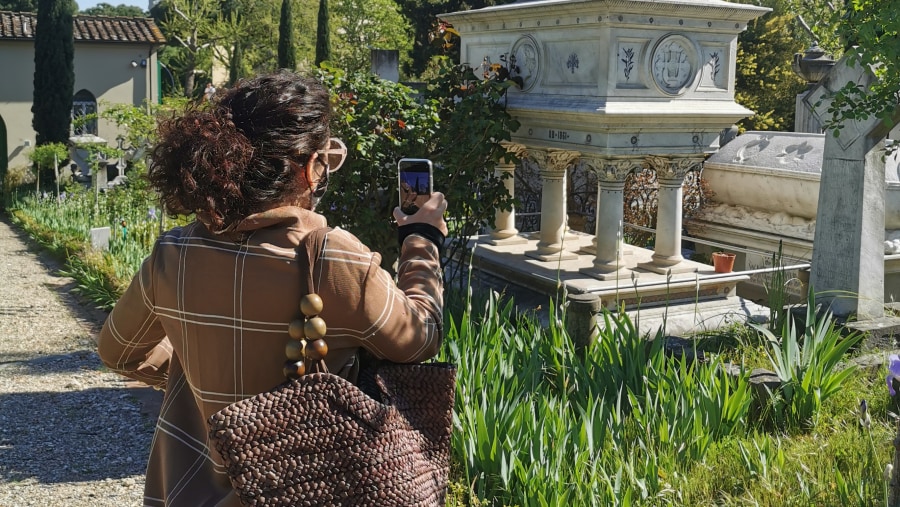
x: 320, y: 440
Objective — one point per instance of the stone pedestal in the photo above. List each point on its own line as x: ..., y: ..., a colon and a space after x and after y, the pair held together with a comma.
x: 553, y: 165
x: 581, y: 318
x: 667, y: 256
x: 504, y: 231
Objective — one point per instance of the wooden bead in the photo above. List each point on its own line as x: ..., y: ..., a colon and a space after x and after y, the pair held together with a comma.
x: 315, y: 328
x: 294, y: 350
x: 311, y: 305
x: 294, y: 369
x: 296, y: 329
x: 319, y: 348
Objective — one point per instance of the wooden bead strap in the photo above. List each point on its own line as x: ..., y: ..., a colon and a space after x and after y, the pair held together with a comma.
x: 307, y: 348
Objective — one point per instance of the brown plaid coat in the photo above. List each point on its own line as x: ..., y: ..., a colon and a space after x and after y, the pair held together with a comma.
x: 206, y: 318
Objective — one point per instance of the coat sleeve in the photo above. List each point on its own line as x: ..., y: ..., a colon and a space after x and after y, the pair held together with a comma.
x: 400, y: 321
x: 132, y: 341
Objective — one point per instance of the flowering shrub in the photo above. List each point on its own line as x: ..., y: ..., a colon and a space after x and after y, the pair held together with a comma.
x: 458, y: 122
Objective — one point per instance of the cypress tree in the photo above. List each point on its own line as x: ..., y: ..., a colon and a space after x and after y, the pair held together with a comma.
x: 286, y: 54
x: 54, y: 71
x: 323, y: 35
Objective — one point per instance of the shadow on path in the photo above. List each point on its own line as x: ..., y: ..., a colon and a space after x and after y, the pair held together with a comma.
x: 98, y: 430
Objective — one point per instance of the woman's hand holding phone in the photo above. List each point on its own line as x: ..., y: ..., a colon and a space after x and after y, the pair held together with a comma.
x: 431, y: 213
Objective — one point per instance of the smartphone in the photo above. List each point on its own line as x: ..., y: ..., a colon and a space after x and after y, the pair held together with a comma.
x: 415, y: 183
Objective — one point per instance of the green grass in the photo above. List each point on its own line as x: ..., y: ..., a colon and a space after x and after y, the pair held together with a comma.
x: 541, y: 423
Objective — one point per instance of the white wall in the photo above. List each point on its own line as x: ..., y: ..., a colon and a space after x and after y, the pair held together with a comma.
x: 104, y: 69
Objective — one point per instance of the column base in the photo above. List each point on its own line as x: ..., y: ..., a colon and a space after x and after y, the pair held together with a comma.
x: 677, y: 268
x: 602, y: 273
x: 562, y: 255
x: 568, y: 238
x: 591, y: 249
x: 514, y: 239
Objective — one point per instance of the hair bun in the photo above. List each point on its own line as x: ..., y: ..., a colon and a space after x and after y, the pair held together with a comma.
x: 227, y: 117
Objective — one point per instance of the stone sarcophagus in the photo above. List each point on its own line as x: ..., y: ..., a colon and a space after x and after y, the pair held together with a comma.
x: 615, y: 77
x: 606, y: 89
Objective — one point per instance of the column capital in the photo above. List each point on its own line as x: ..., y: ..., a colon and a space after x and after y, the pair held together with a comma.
x: 538, y: 157
x: 611, y: 169
x: 519, y: 150
x: 672, y: 167
x: 560, y: 160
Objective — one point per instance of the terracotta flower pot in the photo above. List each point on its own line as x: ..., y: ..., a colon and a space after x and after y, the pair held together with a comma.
x: 723, y: 262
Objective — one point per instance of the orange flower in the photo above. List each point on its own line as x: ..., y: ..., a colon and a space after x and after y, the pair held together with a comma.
x: 401, y: 124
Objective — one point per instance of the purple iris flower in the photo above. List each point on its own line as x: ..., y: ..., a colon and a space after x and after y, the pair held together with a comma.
x: 893, y: 372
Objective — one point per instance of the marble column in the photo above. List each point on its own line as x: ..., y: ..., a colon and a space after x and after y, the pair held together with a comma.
x: 553, y: 164
x: 670, y: 172
x: 504, y: 231
x: 608, y: 246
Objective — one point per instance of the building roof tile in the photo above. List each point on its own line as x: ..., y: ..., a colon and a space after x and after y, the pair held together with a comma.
x: 20, y: 26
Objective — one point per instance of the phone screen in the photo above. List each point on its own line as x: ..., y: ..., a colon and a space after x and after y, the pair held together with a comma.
x: 415, y: 183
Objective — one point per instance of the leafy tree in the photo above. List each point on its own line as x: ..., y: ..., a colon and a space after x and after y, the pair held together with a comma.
x: 423, y: 14
x: 381, y: 122
x: 43, y: 157
x: 765, y: 82
x: 245, y: 45
x: 870, y: 30
x: 287, y: 59
x: 54, y: 71
x: 18, y: 5
x: 195, y: 25
x: 458, y: 123
x: 473, y: 121
x: 866, y: 29
x: 323, y: 34
x: 364, y: 24
x: 105, y: 9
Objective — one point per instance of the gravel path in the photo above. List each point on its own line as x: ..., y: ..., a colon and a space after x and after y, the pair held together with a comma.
x: 71, y: 433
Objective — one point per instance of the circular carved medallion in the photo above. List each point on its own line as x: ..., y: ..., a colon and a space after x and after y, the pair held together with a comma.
x: 674, y: 64
x: 525, y: 61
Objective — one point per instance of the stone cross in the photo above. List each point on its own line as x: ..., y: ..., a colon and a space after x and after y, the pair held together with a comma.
x: 848, y: 249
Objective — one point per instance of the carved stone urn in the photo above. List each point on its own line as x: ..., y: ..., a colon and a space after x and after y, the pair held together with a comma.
x: 813, y: 64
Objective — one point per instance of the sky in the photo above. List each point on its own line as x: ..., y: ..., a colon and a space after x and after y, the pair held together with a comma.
x: 87, y: 4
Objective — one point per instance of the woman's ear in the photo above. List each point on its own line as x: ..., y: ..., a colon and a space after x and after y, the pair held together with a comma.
x: 309, y: 171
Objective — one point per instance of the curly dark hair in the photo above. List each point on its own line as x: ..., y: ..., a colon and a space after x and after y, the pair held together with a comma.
x: 243, y: 154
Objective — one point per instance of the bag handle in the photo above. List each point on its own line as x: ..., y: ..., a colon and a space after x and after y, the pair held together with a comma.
x: 307, y: 348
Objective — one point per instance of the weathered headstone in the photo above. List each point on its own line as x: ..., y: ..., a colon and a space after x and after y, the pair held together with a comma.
x: 386, y: 64
x: 100, y: 238
x: 848, y: 251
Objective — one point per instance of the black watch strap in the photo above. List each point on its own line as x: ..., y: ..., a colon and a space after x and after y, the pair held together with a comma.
x: 427, y: 231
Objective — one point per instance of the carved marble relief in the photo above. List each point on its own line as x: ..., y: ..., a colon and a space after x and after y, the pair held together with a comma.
x: 572, y: 62
x: 526, y: 54
x: 629, y: 54
x: 673, y: 64
x: 627, y: 62
x: 714, y: 67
